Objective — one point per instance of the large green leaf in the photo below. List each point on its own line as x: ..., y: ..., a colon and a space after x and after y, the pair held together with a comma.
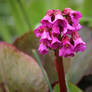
x: 20, y: 72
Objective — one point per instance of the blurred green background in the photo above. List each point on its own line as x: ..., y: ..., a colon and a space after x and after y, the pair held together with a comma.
x: 20, y: 16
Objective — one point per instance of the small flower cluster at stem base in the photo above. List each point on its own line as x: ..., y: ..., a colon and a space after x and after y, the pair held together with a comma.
x: 59, y: 31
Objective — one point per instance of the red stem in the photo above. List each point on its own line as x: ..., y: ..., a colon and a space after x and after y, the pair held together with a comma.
x: 60, y: 71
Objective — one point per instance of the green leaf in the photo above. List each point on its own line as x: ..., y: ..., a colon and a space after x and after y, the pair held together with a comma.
x: 36, y: 9
x: 4, y: 31
x: 20, y: 20
x: 72, y: 88
x: 87, y: 10
x: 56, y: 89
x: 25, y: 13
x: 19, y: 71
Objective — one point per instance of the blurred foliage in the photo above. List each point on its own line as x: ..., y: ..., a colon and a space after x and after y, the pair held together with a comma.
x: 20, y: 16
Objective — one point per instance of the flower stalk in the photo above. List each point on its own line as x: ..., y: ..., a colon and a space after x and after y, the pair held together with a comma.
x: 60, y: 72
x: 59, y: 32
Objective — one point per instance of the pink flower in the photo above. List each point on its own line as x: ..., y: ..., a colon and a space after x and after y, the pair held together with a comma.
x: 78, y: 27
x: 38, y: 31
x: 43, y: 49
x: 55, y: 30
x: 52, y: 16
x: 59, y: 16
x: 55, y: 43
x: 55, y: 20
x: 58, y: 31
x: 66, y: 11
x: 46, y: 21
x: 72, y: 18
x: 73, y: 29
x: 60, y: 26
x: 49, y: 17
x: 73, y: 14
x: 67, y: 48
x: 46, y: 38
x: 79, y: 44
x: 66, y: 51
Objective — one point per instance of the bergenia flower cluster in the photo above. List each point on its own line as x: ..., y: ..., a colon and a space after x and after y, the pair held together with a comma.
x: 59, y: 31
